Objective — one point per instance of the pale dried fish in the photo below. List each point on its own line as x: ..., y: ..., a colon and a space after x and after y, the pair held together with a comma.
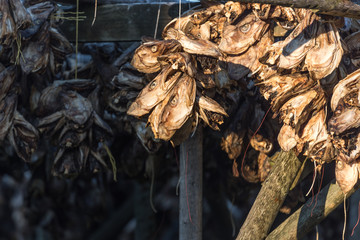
x: 145, y: 57
x: 238, y: 38
x: 347, y: 175
x: 154, y: 92
x: 233, y: 10
x: 201, y: 46
x: 325, y: 56
x: 287, y: 138
x: 344, y: 87
x: 177, y: 108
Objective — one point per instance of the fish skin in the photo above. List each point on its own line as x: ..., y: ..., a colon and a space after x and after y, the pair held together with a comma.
x: 153, y: 93
x: 238, y: 38
x: 145, y: 57
x: 348, y: 119
x: 346, y: 175
x: 325, y: 56
x: 176, y: 108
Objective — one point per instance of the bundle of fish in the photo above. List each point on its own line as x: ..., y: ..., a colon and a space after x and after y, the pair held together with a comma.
x: 207, y: 52
x: 243, y: 132
x: 344, y: 125
x: 305, y: 66
x: 29, y: 38
x: 75, y: 127
x: 174, y: 99
x: 222, y: 47
x: 204, y: 51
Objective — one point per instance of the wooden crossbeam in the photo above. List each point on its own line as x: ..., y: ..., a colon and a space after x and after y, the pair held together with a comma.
x: 121, y: 22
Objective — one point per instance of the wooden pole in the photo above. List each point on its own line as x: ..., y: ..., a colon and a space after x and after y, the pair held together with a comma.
x: 307, y: 217
x: 191, y: 191
x: 271, y: 197
x: 342, y: 8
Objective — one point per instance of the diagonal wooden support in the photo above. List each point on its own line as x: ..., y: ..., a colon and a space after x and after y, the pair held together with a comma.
x: 271, y: 197
x: 305, y: 219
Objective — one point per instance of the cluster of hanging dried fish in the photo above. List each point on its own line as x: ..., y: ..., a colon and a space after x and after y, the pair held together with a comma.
x: 219, y: 48
x: 209, y: 58
x: 32, y: 55
x: 28, y: 39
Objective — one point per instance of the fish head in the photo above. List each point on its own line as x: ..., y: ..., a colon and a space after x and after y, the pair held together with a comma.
x: 238, y: 38
x: 178, y: 107
x: 154, y: 92
x: 145, y: 57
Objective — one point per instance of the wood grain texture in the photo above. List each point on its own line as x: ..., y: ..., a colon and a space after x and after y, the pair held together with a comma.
x: 191, y: 187
x: 121, y: 22
x: 342, y: 8
x: 306, y: 218
x: 271, y: 197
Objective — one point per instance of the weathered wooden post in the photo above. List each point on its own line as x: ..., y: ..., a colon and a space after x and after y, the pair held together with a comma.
x: 271, y: 196
x: 191, y: 187
x: 306, y: 218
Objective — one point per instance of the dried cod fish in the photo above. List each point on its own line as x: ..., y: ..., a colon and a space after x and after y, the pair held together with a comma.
x: 201, y: 47
x: 210, y: 111
x: 154, y: 92
x: 346, y: 86
x: 36, y: 53
x: 238, y: 38
x: 291, y: 52
x: 248, y: 62
x: 325, y: 56
x: 7, y: 110
x: 23, y: 137
x: 145, y: 57
x: 146, y: 136
x: 347, y: 175
x: 7, y: 24
x: 233, y: 10
x: 315, y: 138
x: 180, y: 61
x: 175, y: 109
x: 287, y: 138
x: 21, y: 16
x: 281, y: 88
x: 261, y: 144
x: 39, y: 14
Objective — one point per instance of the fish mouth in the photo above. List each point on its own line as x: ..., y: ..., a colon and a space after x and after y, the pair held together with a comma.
x: 136, y: 110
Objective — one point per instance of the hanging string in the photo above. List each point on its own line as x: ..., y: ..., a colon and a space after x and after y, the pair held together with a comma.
x: 157, y: 19
x: 95, y: 11
x: 313, y: 182
x: 179, y: 12
x: 152, y: 186
x: 76, y: 37
x: 344, y: 228
x: 352, y: 232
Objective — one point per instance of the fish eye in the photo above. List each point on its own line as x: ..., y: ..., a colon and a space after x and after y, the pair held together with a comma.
x: 173, y: 101
x: 339, y: 165
x: 152, y: 85
x: 154, y: 48
x: 245, y: 28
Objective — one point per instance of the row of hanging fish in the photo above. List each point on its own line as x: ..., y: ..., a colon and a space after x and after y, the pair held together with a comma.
x: 295, y: 57
x: 33, y: 54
